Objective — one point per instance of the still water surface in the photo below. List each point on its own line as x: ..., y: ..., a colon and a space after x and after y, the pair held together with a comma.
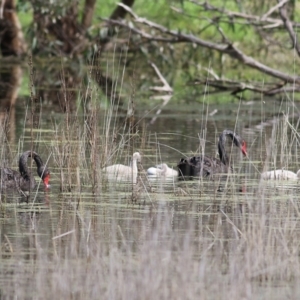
x: 162, y: 239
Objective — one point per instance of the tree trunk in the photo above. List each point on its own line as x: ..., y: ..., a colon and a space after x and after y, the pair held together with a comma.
x: 12, y: 40
x: 120, y: 12
x: 88, y: 12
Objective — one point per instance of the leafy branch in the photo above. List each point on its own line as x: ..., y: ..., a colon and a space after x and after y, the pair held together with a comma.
x: 157, y: 32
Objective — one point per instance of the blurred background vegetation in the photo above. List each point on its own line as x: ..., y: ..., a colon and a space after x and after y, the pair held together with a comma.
x: 81, y: 33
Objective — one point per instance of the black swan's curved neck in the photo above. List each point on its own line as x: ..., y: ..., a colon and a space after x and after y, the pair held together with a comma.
x: 237, y: 140
x: 42, y: 170
x: 38, y: 161
x: 23, y: 167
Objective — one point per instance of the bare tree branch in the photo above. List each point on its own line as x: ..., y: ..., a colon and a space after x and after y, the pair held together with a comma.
x: 274, y: 8
x: 236, y: 87
x: 255, y: 20
x: 265, y: 21
x: 288, y: 25
x: 166, y: 87
x: 142, y: 33
x: 226, y: 48
x: 166, y: 99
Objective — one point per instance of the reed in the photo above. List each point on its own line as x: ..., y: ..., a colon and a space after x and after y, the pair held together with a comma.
x: 154, y: 240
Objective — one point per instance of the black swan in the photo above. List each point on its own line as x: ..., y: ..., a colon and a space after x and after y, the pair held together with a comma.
x: 207, y: 166
x: 124, y: 173
x: 24, y: 180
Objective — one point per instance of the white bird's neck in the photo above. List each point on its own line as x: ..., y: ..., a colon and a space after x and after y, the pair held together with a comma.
x: 134, y: 165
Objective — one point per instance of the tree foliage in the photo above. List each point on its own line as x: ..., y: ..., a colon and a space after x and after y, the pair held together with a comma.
x: 230, y: 46
x: 234, y: 47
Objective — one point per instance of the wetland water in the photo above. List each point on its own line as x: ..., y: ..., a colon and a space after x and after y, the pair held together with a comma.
x: 87, y: 238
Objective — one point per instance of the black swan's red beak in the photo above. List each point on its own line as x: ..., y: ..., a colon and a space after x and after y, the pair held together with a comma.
x: 46, y: 180
x: 244, y: 148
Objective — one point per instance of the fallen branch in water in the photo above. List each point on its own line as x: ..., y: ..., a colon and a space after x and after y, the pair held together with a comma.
x: 236, y: 87
x: 165, y: 88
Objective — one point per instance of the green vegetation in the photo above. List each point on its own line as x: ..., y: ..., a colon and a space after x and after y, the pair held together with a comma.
x: 183, y: 63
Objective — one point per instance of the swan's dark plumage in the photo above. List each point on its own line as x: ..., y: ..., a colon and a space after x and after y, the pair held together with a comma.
x: 24, y: 180
x: 205, y: 165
